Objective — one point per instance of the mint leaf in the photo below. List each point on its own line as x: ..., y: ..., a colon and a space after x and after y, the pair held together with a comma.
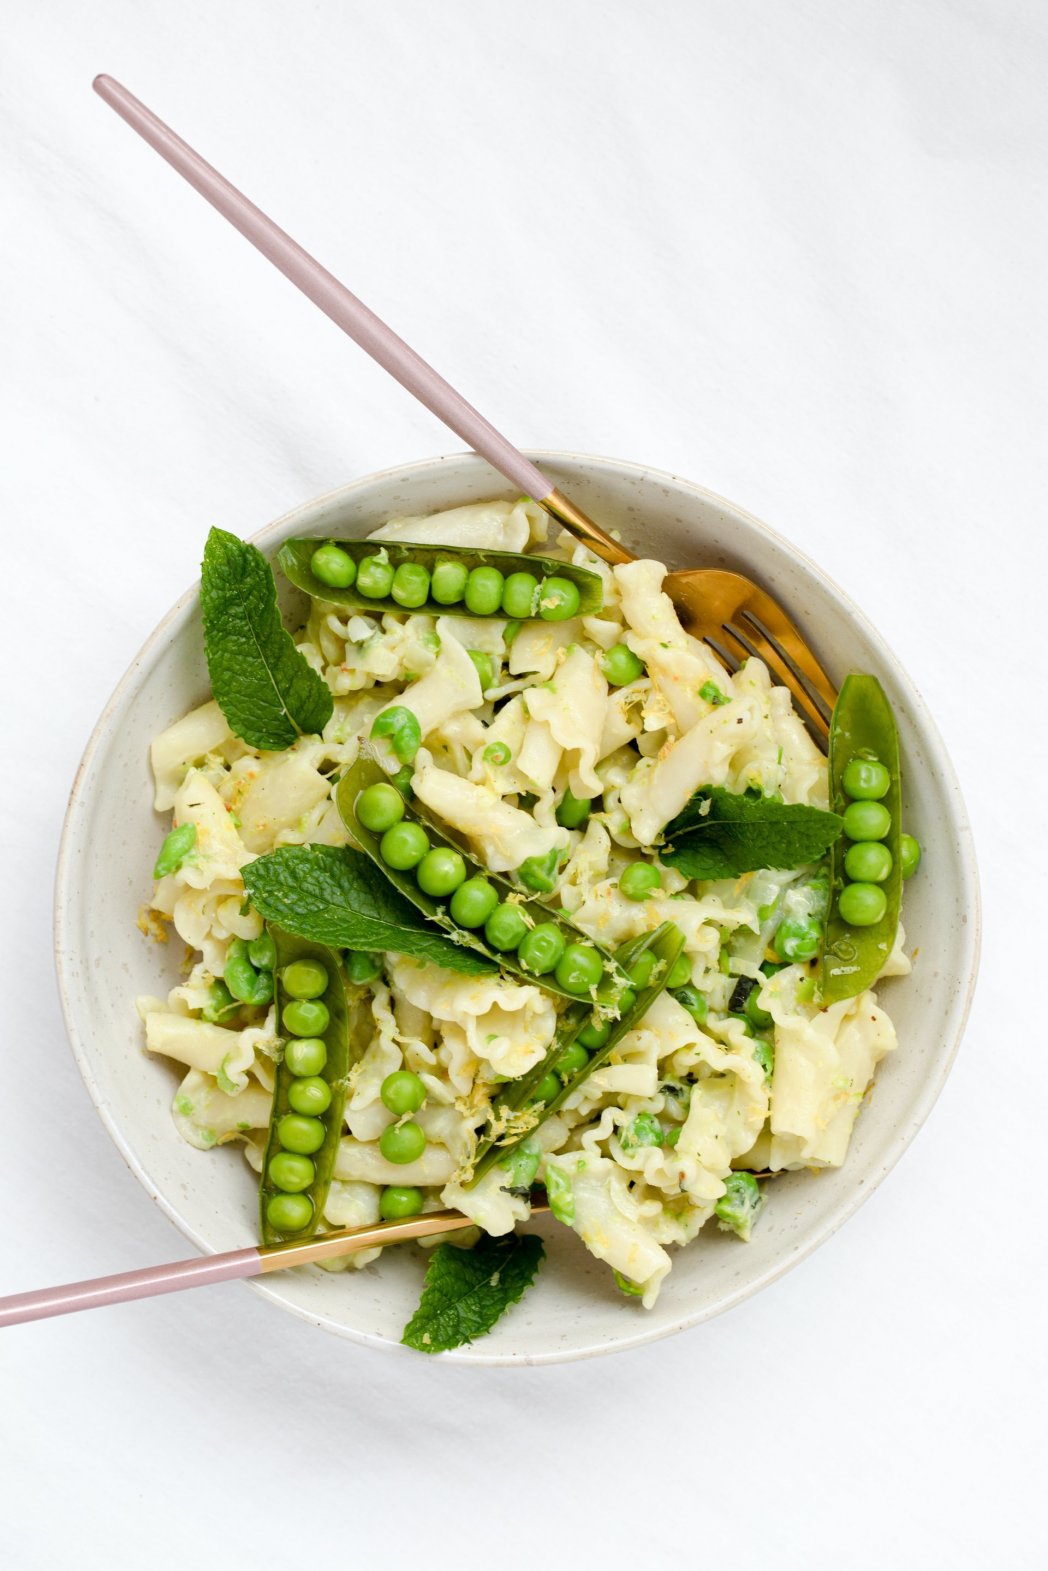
x: 741, y: 833
x: 264, y: 686
x: 468, y: 1289
x: 335, y: 896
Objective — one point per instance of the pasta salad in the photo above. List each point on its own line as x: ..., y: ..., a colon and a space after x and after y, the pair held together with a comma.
x: 496, y: 878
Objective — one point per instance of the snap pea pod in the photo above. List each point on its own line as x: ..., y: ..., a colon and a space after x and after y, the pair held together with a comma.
x: 665, y: 943
x: 563, y: 935
x: 310, y: 1091
x: 506, y: 595
x: 862, y: 727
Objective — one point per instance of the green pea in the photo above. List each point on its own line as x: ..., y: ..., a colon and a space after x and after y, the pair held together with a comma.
x: 594, y: 1036
x: 379, y: 807
x: 570, y: 1062
x: 305, y: 1056
x: 640, y: 972
x: 402, y: 1092
x: 306, y: 1017
x: 759, y: 1018
x: 865, y: 780
x: 764, y: 1052
x: 740, y: 1202
x: 547, y: 1088
x: 505, y: 927
x: 375, y: 577
x: 176, y: 847
x: 333, y: 567
x: 620, y: 665
x: 310, y: 1096
x: 304, y: 979
x: 262, y: 952
x: 868, y: 862
x: 519, y: 595
x: 410, y: 586
x: 289, y: 1213
x: 362, y: 967
x: 579, y: 969
x: 403, y: 846
x: 862, y: 905
x: 798, y: 939
x: 866, y: 821
x: 626, y: 1000
x: 473, y: 902
x: 402, y: 1143
x: 909, y: 855
x: 448, y: 584
x: 694, y: 1002
x: 541, y: 949
x: 484, y: 666
x: 440, y: 872
x: 398, y: 1201
x: 680, y: 972
x: 558, y: 599
x: 484, y: 591
x: 301, y: 1135
x: 220, y: 1004
x: 640, y: 881
x: 510, y: 632
x: 521, y: 1164
x: 645, y: 1130
x: 243, y: 981
x: 402, y: 729
x: 540, y: 872
x: 290, y: 1172
x: 497, y: 753
x: 572, y: 811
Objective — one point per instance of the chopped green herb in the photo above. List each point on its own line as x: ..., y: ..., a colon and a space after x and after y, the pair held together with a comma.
x: 710, y: 693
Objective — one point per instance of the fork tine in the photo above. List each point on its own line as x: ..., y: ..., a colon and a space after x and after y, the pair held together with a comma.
x: 724, y: 654
x: 760, y: 647
x: 771, y: 621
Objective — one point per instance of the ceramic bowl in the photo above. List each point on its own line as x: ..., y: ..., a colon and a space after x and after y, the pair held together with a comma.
x: 110, y: 840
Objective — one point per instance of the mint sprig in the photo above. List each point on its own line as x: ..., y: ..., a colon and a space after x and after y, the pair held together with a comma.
x: 467, y: 1290
x: 265, y: 687
x: 335, y: 896
x: 723, y: 834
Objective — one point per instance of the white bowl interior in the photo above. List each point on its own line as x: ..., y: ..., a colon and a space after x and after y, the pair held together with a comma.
x: 110, y: 842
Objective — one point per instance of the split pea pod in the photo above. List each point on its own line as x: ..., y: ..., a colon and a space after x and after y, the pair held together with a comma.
x: 479, y: 909
x: 582, y: 1044
x: 306, y: 1119
x: 397, y: 575
x: 866, y: 789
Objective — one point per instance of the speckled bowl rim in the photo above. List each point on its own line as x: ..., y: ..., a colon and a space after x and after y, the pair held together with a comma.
x: 953, y: 1025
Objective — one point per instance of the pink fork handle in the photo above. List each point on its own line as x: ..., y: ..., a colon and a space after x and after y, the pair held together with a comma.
x: 333, y: 298
x: 103, y: 1290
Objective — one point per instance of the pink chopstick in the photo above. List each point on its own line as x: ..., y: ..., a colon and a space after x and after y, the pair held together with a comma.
x: 354, y: 318
x: 103, y: 1290
x: 333, y: 298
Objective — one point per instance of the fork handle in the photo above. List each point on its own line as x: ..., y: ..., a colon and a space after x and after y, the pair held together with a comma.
x: 353, y: 316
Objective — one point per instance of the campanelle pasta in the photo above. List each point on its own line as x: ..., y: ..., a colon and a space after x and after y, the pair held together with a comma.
x: 636, y: 1160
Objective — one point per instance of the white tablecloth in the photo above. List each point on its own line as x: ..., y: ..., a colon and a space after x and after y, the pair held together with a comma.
x: 795, y: 252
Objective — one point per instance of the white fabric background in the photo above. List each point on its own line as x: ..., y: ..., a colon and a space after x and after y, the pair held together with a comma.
x: 795, y: 252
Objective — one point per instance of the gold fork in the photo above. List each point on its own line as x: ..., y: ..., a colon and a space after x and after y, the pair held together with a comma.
x: 731, y: 613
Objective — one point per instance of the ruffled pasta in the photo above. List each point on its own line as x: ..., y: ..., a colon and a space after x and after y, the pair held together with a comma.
x: 637, y: 1159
